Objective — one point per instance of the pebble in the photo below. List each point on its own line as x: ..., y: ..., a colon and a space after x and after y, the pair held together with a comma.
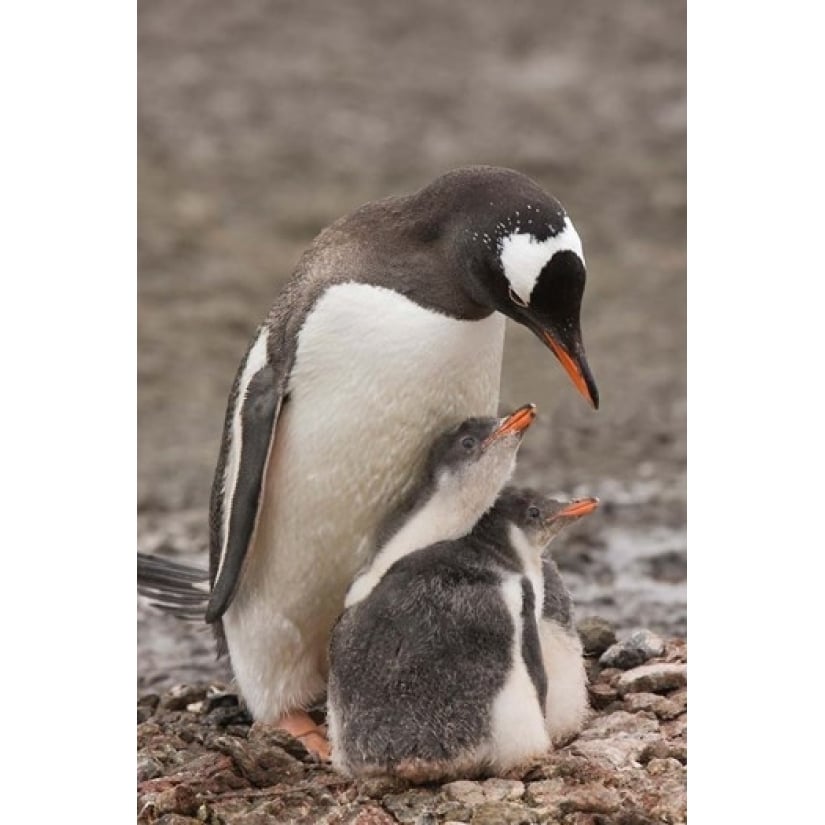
x: 465, y: 791
x: 503, y: 789
x: 610, y: 676
x: 633, y: 651
x: 617, y: 722
x: 665, y: 707
x: 676, y: 650
x: 617, y: 740
x: 593, y: 799
x: 178, y: 697
x: 373, y: 815
x: 146, y: 706
x: 656, y: 678
x: 601, y: 695
x: 406, y: 806
x: 180, y: 799
x: 545, y: 792
x: 662, y: 749
x: 504, y: 813
x: 261, y: 764
x: 491, y: 790
x: 656, y: 767
x: 148, y: 768
x: 596, y: 635
x: 634, y: 702
x: 378, y: 786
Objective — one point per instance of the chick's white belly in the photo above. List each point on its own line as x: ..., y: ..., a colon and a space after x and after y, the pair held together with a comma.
x: 365, y: 401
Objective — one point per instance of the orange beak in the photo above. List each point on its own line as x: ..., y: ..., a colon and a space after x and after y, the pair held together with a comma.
x: 516, y: 422
x: 577, y: 509
x: 571, y: 367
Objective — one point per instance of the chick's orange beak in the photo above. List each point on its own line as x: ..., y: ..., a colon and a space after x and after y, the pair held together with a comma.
x: 516, y: 422
x: 577, y: 509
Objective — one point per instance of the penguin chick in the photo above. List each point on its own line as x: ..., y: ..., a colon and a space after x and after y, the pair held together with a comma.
x: 439, y: 673
x: 540, y: 520
x: 466, y: 469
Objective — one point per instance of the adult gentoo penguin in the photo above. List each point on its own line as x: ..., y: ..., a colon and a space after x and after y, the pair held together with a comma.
x: 390, y: 330
x: 441, y: 671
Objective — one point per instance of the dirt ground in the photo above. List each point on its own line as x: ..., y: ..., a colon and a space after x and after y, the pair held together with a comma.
x: 261, y: 122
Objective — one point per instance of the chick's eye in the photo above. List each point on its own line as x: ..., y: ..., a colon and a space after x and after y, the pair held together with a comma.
x: 468, y: 442
x: 516, y: 299
x: 533, y: 512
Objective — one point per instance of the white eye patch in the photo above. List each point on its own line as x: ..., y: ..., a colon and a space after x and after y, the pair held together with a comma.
x: 523, y: 257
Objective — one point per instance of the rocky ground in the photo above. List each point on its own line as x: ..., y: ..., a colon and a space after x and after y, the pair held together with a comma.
x: 201, y: 761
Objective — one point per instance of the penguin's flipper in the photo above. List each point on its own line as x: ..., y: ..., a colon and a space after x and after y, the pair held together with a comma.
x: 174, y: 588
x: 558, y: 604
x: 248, y: 436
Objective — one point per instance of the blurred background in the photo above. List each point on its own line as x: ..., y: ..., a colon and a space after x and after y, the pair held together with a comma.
x: 261, y: 122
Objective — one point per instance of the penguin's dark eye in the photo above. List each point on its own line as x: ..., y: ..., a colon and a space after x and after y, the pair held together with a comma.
x: 468, y: 442
x: 516, y: 299
x: 533, y: 512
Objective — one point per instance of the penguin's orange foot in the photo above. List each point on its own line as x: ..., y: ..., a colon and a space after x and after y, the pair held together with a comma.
x: 301, y: 725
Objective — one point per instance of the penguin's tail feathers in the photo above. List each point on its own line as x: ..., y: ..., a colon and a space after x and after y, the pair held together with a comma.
x: 172, y: 587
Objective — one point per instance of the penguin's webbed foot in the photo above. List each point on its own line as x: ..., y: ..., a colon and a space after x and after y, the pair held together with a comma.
x: 300, y: 725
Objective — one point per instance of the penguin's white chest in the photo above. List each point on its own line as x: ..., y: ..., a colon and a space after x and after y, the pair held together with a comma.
x: 376, y: 378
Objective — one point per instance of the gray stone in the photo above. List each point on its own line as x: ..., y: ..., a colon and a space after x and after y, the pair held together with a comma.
x: 470, y: 793
x: 179, y: 799
x: 544, y: 793
x: 665, y: 707
x: 258, y: 762
x: 664, y: 749
x: 619, y: 722
x: 633, y: 651
x: 179, y: 696
x: 504, y: 813
x: 657, y: 766
x: 590, y: 799
x: 409, y: 805
x: 617, y: 752
x: 376, y: 787
x: 372, y: 815
x: 610, y: 676
x: 674, y: 705
x: 601, y: 695
x: 656, y: 678
x: 617, y: 740
x: 502, y: 789
x: 596, y: 634
x: 148, y: 768
x: 634, y: 702
x: 491, y: 790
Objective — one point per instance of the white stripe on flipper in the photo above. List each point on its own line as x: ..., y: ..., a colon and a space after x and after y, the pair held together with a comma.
x: 523, y: 257
x: 255, y: 360
x: 517, y: 718
x: 531, y: 565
